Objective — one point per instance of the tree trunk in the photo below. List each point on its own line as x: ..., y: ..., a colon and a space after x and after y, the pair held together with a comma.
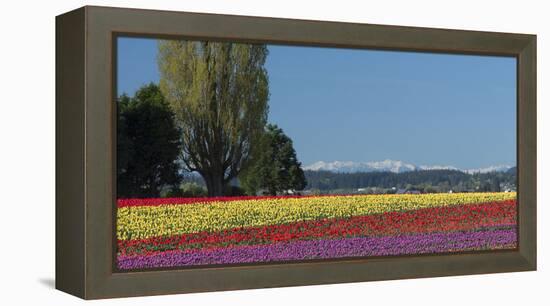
x: 214, y: 184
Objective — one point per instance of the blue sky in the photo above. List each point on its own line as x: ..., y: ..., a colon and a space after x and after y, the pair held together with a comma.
x: 366, y: 105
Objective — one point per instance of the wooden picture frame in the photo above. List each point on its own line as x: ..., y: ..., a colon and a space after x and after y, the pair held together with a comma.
x: 86, y: 135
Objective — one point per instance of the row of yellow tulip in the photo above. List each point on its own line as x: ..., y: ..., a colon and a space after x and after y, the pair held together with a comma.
x: 138, y: 222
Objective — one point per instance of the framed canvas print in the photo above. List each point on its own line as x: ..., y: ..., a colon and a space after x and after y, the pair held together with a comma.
x: 200, y: 152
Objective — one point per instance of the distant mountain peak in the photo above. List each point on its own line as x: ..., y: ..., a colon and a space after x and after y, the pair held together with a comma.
x: 350, y: 166
x: 395, y: 166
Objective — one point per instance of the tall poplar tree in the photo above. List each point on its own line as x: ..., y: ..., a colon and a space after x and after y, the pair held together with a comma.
x: 219, y: 94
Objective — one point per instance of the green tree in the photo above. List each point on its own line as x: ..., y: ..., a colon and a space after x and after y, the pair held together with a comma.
x: 148, y: 144
x: 275, y: 167
x: 219, y: 94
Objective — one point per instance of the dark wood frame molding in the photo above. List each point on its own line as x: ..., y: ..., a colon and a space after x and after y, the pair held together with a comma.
x: 85, y: 150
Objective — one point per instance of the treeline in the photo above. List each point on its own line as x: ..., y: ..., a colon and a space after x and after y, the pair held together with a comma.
x: 152, y: 160
x: 422, y: 181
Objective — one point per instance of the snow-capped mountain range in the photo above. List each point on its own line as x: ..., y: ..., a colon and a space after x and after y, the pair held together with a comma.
x: 395, y: 166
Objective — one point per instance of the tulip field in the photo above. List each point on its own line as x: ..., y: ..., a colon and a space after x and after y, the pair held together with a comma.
x: 182, y: 232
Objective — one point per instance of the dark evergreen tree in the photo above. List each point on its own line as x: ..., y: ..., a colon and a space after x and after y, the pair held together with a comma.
x: 275, y: 167
x: 148, y: 144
